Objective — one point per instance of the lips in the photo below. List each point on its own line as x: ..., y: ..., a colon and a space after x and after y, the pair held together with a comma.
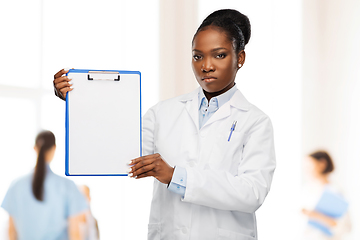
x: 208, y: 79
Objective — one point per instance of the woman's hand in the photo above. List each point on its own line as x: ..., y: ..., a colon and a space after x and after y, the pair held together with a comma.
x: 61, y: 84
x: 308, y: 212
x: 151, y: 165
x: 12, y: 229
x: 329, y: 221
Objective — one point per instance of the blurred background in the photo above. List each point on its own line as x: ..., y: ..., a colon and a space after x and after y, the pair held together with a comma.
x: 301, y: 69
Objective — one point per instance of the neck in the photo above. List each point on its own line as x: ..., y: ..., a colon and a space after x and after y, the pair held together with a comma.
x: 210, y: 95
x: 323, y: 179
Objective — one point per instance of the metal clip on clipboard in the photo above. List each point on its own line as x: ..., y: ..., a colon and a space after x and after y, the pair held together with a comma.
x: 103, y: 75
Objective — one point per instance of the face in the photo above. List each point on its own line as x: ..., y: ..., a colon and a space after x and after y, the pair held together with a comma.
x: 316, y: 167
x: 215, y: 62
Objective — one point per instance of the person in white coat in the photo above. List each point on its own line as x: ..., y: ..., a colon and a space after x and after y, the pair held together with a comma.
x: 211, y: 152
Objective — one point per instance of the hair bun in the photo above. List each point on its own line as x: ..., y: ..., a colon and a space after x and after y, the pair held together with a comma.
x: 241, y: 20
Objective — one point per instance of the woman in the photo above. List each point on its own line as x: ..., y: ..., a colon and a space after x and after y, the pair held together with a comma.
x: 211, y: 151
x: 43, y: 205
x: 320, y: 167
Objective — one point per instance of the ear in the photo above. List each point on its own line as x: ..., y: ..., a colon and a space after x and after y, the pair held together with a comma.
x: 241, y: 58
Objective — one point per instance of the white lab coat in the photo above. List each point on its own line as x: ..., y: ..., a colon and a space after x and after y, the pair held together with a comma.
x: 227, y: 181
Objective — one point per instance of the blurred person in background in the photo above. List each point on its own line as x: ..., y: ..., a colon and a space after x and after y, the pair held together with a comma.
x: 89, y: 225
x: 321, y: 226
x: 43, y: 205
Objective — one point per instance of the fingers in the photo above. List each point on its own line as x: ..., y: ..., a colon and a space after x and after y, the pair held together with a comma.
x: 151, y: 165
x: 146, y: 174
x: 63, y: 84
x: 145, y: 171
x: 60, y: 73
x: 61, y: 79
x: 143, y: 165
x: 64, y: 91
x: 147, y: 157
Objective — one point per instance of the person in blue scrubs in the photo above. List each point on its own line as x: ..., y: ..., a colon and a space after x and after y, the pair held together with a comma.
x: 43, y: 205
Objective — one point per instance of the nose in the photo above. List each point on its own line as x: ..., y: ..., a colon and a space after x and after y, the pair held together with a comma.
x: 207, y: 66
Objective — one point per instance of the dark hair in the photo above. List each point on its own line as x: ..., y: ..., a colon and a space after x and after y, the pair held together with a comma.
x: 45, y: 140
x: 324, y: 156
x: 235, y: 24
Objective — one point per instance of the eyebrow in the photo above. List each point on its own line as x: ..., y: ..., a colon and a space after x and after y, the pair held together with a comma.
x: 213, y: 50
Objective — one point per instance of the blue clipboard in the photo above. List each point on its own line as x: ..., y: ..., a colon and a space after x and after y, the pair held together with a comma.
x: 103, y: 122
x: 330, y: 204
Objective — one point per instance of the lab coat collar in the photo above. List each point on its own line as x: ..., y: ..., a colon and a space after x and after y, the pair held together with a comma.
x: 191, y: 104
x: 190, y: 96
x: 238, y: 100
x: 191, y: 100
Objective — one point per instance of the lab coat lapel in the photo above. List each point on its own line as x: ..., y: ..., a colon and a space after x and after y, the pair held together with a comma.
x: 238, y: 101
x: 222, y: 112
x: 191, y: 105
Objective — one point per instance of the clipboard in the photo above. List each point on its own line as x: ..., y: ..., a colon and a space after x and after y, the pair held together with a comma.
x: 331, y: 204
x: 102, y: 122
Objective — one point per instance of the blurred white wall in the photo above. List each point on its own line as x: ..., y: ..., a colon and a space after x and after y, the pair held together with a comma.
x: 178, y: 23
x: 331, y: 91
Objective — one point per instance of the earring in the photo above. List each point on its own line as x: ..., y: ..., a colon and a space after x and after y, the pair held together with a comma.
x: 240, y: 65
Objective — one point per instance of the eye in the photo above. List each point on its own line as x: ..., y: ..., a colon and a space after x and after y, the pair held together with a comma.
x: 221, y: 55
x: 197, y: 57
